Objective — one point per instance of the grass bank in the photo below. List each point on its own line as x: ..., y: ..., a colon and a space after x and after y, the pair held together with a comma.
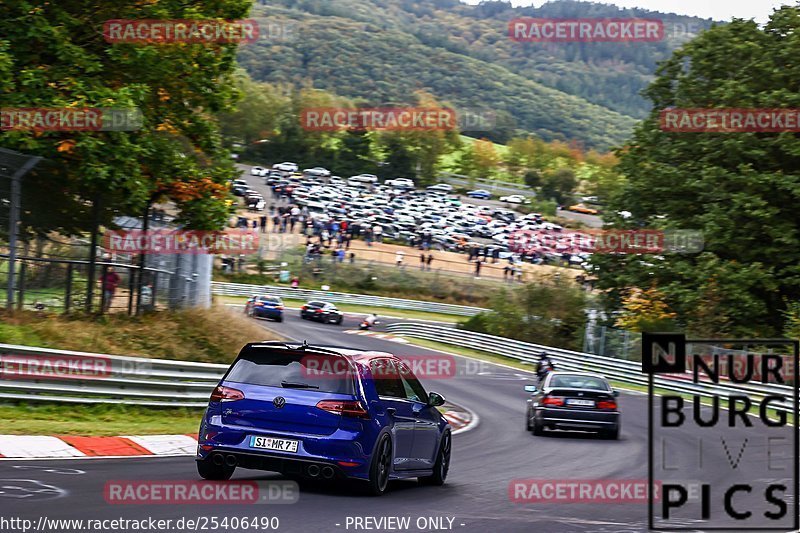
x: 212, y: 335
x: 97, y: 420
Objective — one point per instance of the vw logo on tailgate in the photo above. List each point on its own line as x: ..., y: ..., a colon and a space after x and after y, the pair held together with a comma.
x: 279, y: 402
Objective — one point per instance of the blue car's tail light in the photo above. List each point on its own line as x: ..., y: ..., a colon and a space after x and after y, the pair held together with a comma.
x: 226, y: 394
x: 349, y: 408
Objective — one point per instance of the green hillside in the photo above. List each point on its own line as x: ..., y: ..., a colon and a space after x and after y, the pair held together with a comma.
x: 381, y: 51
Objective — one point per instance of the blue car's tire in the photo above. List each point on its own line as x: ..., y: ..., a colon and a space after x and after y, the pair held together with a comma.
x: 442, y: 465
x: 380, y: 468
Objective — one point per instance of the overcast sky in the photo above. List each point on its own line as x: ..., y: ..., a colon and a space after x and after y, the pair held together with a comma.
x: 715, y: 9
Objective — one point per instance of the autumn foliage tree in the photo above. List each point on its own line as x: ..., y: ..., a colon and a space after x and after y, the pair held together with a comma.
x: 54, y: 55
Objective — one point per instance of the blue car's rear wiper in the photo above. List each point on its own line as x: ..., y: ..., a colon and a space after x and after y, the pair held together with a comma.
x: 290, y: 385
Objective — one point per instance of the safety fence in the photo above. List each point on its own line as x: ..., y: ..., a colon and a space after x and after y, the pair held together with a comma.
x: 627, y: 372
x: 39, y: 374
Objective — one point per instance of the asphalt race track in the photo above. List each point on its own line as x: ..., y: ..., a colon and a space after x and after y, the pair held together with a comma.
x: 476, y: 496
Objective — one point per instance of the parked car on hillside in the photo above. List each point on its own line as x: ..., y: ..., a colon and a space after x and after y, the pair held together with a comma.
x: 286, y: 167
x: 581, y: 208
x: 480, y: 193
x: 514, y: 199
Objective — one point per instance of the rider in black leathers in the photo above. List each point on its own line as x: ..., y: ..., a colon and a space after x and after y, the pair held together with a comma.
x: 544, y: 366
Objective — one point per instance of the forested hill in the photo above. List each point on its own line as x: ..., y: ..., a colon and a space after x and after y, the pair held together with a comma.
x: 382, y: 51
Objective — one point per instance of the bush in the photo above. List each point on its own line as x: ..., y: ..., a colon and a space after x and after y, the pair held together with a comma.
x: 551, y: 314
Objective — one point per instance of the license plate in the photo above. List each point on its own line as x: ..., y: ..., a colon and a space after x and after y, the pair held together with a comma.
x: 278, y: 445
x: 580, y: 403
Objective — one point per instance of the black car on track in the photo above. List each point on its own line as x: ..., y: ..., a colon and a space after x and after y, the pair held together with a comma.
x: 573, y: 401
x: 324, y: 312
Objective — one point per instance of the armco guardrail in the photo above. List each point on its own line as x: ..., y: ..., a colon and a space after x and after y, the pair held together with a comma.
x: 615, y: 369
x: 40, y: 374
x: 242, y: 289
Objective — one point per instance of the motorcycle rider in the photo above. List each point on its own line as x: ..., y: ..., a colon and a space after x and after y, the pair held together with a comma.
x: 544, y: 366
x: 370, y: 321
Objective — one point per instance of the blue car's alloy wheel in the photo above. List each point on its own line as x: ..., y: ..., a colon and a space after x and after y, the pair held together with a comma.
x: 381, y: 467
x: 442, y: 466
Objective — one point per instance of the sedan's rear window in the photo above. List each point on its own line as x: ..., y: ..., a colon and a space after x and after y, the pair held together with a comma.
x: 292, y: 369
x: 269, y: 299
x: 578, y: 382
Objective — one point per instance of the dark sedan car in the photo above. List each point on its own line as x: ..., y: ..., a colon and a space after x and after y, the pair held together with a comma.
x: 573, y: 401
x: 322, y: 312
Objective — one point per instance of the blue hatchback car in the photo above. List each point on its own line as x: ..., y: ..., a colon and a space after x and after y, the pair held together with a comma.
x: 265, y: 307
x: 324, y: 412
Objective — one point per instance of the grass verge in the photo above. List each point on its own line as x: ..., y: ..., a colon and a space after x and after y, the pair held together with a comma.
x: 212, y: 335
x: 96, y: 420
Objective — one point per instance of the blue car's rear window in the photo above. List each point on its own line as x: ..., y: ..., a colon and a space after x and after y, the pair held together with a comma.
x: 293, y: 369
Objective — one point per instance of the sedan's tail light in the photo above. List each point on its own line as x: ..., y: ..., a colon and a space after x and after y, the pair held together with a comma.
x: 226, y: 394
x: 278, y: 307
x: 304, y: 308
x: 607, y: 404
x: 319, y: 310
x: 349, y: 408
x: 548, y: 400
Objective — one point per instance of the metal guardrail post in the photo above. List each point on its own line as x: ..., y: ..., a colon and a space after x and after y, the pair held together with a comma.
x: 68, y: 289
x: 23, y: 270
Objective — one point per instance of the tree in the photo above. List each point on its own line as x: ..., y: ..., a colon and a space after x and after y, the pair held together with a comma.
x: 739, y: 189
x: 533, y: 178
x: 549, y: 313
x: 559, y: 185
x: 645, y: 310
x: 486, y: 158
x: 53, y: 56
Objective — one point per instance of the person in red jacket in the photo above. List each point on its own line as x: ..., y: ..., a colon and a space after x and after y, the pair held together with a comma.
x: 109, y: 280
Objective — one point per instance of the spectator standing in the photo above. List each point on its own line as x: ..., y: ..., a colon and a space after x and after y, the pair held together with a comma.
x: 263, y: 223
x: 429, y: 261
x: 110, y: 281
x: 478, y: 263
x: 422, y: 261
x: 377, y: 232
x: 398, y: 258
